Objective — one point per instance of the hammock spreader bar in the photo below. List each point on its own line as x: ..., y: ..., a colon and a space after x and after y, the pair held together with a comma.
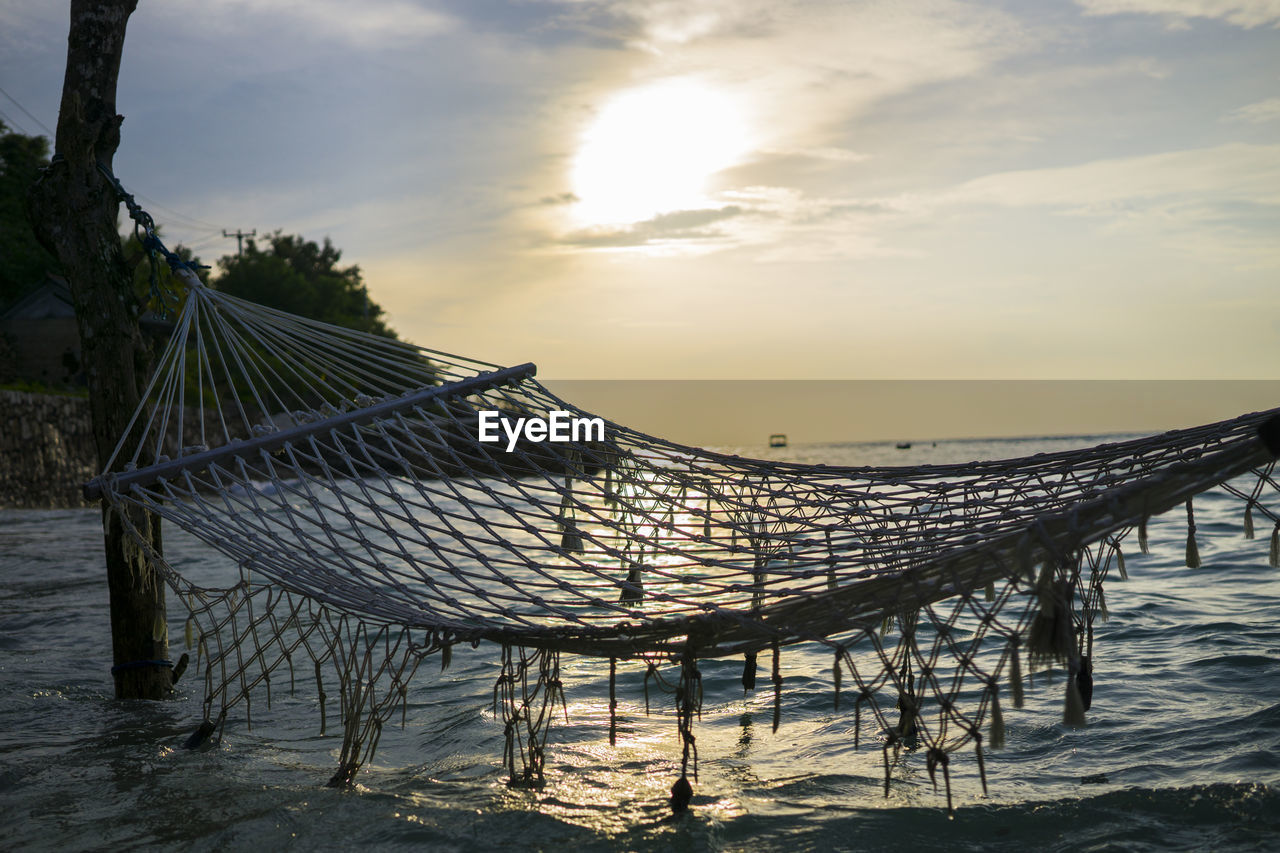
x: 386, y: 534
x: 120, y: 482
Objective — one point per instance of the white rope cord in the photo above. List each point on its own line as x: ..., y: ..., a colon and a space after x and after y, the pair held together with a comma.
x: 343, y: 475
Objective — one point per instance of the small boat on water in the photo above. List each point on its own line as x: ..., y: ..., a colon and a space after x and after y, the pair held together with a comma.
x: 903, y: 445
x: 778, y: 439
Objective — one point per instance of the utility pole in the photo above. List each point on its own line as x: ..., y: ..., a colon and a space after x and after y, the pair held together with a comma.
x: 240, y: 235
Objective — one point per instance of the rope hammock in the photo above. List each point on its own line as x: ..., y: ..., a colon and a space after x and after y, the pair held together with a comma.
x: 346, y: 476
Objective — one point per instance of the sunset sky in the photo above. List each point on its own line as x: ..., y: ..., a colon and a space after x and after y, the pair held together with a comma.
x: 733, y: 189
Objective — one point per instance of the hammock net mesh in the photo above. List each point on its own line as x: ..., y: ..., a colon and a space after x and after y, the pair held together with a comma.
x: 373, y: 525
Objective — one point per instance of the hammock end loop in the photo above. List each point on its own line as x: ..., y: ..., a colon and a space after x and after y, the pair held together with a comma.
x: 1269, y: 432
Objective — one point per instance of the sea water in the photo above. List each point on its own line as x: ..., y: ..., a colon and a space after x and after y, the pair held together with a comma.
x: 1181, y: 750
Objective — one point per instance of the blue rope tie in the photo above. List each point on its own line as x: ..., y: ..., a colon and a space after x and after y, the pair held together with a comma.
x: 139, y: 664
x: 144, y: 229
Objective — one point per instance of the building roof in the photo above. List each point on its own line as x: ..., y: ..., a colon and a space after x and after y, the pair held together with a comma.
x: 50, y: 299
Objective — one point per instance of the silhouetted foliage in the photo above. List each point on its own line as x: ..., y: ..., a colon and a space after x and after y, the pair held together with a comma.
x: 23, y: 261
x: 301, y: 277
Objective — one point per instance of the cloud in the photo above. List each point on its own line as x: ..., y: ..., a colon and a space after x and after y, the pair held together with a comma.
x: 805, y: 77
x: 1229, y: 193
x: 1218, y: 207
x: 677, y: 226
x: 668, y: 23
x: 818, y: 65
x: 370, y: 23
x: 559, y: 199
x: 782, y: 223
x: 820, y: 154
x: 1258, y: 112
x: 1241, y: 13
x: 1230, y: 172
x: 775, y: 223
x: 790, y: 226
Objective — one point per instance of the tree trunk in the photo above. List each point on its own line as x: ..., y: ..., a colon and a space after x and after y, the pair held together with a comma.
x: 73, y: 210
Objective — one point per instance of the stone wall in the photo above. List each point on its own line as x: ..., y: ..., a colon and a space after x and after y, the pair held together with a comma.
x: 46, y: 450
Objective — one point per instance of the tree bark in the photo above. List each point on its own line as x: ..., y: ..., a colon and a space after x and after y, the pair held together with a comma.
x: 73, y: 210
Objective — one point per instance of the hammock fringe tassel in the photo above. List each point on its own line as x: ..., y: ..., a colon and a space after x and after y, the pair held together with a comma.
x: 368, y: 522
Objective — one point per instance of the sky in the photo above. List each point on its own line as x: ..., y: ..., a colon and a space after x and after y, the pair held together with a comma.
x: 732, y: 189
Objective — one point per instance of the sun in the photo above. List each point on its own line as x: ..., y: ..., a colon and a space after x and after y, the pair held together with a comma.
x: 653, y: 150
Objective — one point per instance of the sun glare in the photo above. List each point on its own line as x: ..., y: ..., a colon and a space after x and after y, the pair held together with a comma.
x: 653, y: 150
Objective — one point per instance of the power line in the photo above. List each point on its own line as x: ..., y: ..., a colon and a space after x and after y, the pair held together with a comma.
x: 190, y: 220
x: 202, y: 244
x: 204, y: 238
x: 179, y: 218
x: 4, y: 117
x: 27, y: 113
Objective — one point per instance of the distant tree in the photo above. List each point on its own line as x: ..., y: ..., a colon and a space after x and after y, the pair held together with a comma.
x: 301, y: 277
x: 23, y: 261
